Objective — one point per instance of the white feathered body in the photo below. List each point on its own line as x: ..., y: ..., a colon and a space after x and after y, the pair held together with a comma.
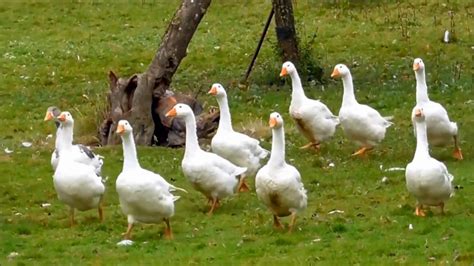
x: 239, y: 149
x: 363, y: 124
x: 281, y: 189
x: 313, y: 119
x: 77, y: 184
x: 79, y: 155
x: 144, y: 196
x: 211, y: 174
x: 429, y: 181
x: 440, y: 129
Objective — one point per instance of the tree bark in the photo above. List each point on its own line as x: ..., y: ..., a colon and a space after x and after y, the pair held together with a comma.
x: 132, y: 98
x: 285, y: 30
x: 175, y: 42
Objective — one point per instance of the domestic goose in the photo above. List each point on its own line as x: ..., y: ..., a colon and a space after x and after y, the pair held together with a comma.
x: 236, y: 147
x: 210, y: 174
x: 144, y: 196
x: 313, y: 118
x: 77, y: 184
x: 79, y: 152
x: 361, y: 123
x: 278, y: 184
x: 441, y: 131
x: 427, y: 179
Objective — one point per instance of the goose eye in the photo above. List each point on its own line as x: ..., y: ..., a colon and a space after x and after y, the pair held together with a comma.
x: 340, y: 66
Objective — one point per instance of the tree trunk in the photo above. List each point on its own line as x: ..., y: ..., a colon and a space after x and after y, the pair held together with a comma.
x: 285, y: 30
x: 132, y: 98
x: 175, y: 42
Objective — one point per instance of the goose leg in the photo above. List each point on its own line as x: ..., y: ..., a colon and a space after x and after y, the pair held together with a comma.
x: 71, y: 217
x: 315, y: 145
x: 100, y: 209
x: 292, y: 222
x: 215, y: 204
x: 276, y: 223
x: 168, y: 232
x: 441, y: 206
x: 243, y: 186
x: 361, y: 151
x: 419, y: 211
x: 128, y: 233
x: 457, y: 150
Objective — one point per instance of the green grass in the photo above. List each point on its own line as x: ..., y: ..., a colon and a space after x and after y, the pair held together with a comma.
x: 81, y: 42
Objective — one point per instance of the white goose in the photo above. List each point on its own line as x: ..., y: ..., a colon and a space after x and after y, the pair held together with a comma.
x: 361, y: 123
x: 236, y: 147
x: 313, y: 118
x: 279, y: 184
x: 426, y: 178
x: 210, y: 174
x: 144, y: 196
x: 77, y: 184
x: 441, y: 131
x: 79, y: 152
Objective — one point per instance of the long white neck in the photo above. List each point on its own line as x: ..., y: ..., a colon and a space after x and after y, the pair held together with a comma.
x: 58, y: 141
x: 65, y: 136
x: 192, y: 144
x: 422, y: 147
x: 225, y: 120
x: 277, y: 156
x: 348, y: 97
x: 297, y: 93
x: 421, y: 88
x: 130, y: 159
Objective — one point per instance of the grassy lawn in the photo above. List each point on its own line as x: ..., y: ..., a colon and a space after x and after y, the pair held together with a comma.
x: 59, y: 53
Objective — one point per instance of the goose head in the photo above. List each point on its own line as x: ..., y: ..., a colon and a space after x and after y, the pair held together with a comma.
x: 276, y: 121
x: 217, y: 90
x: 340, y: 70
x: 180, y: 110
x: 419, y: 115
x: 65, y: 118
x: 287, y: 68
x: 418, y: 65
x: 52, y: 113
x: 124, y: 127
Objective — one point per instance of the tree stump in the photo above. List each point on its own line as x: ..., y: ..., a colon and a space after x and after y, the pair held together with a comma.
x: 138, y: 97
x: 123, y: 96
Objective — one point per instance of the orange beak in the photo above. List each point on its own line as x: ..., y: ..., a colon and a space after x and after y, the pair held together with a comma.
x: 283, y: 72
x: 48, y: 116
x: 213, y: 91
x: 62, y: 117
x: 416, y: 66
x: 272, y: 122
x: 335, y: 73
x: 120, y: 129
x: 417, y: 112
x: 171, y: 113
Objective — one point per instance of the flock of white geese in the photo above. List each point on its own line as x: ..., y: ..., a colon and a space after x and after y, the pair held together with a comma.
x: 147, y: 197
